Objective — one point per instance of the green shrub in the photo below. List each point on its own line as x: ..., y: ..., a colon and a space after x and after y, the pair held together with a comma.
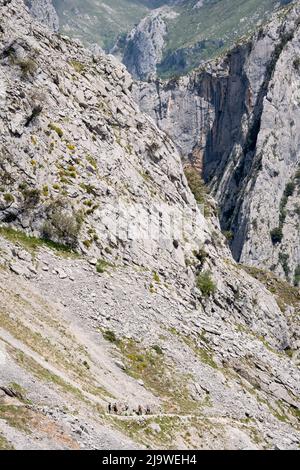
x: 63, y: 224
x: 283, y: 259
x: 31, y: 197
x: 296, y: 63
x: 56, y: 129
x: 31, y: 243
x: 28, y: 67
x: 157, y: 349
x: 110, y: 336
x: 297, y: 175
x: 45, y: 190
x: 197, y: 186
x: 71, y: 147
x: 289, y: 189
x: 102, y: 266
x: 276, y: 235
x: 87, y: 243
x: 206, y: 284
x: 92, y: 161
x: 228, y: 234
x: 297, y: 276
x: 8, y: 198
x: 200, y: 254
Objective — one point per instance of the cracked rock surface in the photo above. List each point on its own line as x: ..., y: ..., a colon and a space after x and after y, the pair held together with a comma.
x: 237, y: 119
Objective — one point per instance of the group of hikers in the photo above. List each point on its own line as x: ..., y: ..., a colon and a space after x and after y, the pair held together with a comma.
x: 123, y: 409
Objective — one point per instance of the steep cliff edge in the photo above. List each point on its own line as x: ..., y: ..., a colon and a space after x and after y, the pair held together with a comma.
x: 45, y: 12
x: 114, y: 286
x: 238, y: 120
x: 142, y: 49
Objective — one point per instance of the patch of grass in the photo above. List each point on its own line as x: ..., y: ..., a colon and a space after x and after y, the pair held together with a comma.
x: 52, y: 352
x: 92, y: 161
x: 152, y: 289
x: 296, y: 412
x: 196, y: 184
x: 88, y: 188
x: 159, y: 377
x: 77, y: 66
x: 279, y: 412
x: 146, y: 176
x: 44, y: 374
x: 45, y: 190
x: 4, y: 444
x: 168, y: 430
x: 18, y: 417
x: 102, y: 266
x: 228, y: 234
x: 285, y: 293
x: 205, y: 355
x: 32, y: 243
x: 71, y: 147
x: 142, y: 432
x: 19, y: 390
x: 263, y: 340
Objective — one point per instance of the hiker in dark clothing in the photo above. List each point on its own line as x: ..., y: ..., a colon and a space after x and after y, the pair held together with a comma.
x: 140, y: 410
x: 115, y: 409
x: 109, y: 408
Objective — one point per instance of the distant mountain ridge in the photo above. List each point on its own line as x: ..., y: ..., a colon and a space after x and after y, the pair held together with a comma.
x: 161, y: 37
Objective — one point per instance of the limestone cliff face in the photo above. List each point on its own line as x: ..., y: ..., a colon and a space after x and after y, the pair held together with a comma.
x: 45, y: 12
x: 144, y: 45
x: 238, y: 119
x: 113, y: 284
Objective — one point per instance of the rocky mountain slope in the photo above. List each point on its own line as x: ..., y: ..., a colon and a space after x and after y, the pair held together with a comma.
x: 238, y: 120
x: 163, y: 37
x: 114, y: 286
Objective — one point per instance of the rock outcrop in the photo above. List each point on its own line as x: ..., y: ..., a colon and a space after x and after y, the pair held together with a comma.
x: 237, y: 119
x: 45, y: 12
x: 143, y: 46
x: 114, y: 286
